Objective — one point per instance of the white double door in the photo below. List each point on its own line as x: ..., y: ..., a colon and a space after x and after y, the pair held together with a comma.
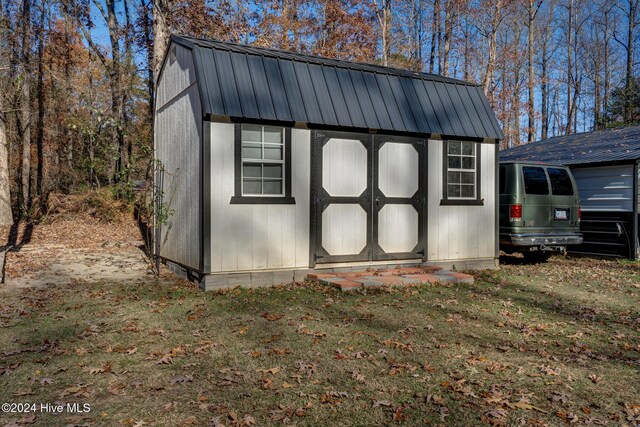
x: 368, y: 197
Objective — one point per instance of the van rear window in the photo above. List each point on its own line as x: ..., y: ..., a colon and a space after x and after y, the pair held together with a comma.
x: 503, y: 179
x: 560, y: 182
x: 535, y: 180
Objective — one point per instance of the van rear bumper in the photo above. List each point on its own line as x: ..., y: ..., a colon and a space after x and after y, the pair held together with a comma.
x: 556, y: 239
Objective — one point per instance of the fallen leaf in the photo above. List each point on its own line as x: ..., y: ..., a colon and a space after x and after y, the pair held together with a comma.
x: 381, y: 403
x: 272, y: 317
x: 181, y: 379
x: 271, y: 371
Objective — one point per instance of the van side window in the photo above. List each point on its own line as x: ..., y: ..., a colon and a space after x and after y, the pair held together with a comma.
x: 535, y: 180
x: 560, y: 182
x: 503, y: 179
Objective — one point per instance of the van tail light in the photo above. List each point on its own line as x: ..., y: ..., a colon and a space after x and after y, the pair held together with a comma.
x: 515, y: 213
x: 579, y: 213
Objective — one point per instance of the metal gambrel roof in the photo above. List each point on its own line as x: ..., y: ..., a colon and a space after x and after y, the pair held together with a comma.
x: 258, y: 83
x: 611, y: 145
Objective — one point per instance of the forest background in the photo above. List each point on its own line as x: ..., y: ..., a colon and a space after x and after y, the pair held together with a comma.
x: 77, y: 77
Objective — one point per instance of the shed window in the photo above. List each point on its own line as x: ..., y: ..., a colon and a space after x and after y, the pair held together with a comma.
x: 263, y: 164
x: 461, y: 173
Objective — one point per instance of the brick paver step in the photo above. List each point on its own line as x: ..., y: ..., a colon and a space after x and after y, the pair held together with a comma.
x: 399, y: 276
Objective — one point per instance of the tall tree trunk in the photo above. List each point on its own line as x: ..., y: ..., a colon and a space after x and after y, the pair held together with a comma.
x: 628, y: 104
x: 68, y: 136
x: 496, y: 19
x: 115, y: 82
x: 570, y: 77
x: 6, y: 213
x: 449, y: 22
x: 544, y: 80
x: 41, y: 105
x: 467, y: 59
x: 597, y: 94
x: 515, y: 105
x: 147, y: 23
x: 160, y: 33
x: 532, y: 12
x: 125, y: 90
x: 25, y: 107
x: 435, y: 29
x: 384, y: 19
x: 607, y: 71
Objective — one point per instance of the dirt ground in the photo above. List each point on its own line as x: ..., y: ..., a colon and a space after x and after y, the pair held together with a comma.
x: 78, y: 247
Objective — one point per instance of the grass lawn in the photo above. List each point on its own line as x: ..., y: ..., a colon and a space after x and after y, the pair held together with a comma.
x: 536, y: 345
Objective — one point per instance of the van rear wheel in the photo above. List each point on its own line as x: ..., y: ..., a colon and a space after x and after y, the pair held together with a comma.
x: 536, y: 257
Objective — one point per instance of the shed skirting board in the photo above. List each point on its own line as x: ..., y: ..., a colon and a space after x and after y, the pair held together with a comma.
x: 257, y: 279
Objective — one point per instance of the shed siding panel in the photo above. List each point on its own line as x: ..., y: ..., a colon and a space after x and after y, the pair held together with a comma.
x: 460, y: 232
x: 258, y: 237
x: 176, y: 77
x: 178, y: 135
x: 607, y: 188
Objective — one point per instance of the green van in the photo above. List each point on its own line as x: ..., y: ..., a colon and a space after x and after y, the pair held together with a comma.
x: 539, y: 209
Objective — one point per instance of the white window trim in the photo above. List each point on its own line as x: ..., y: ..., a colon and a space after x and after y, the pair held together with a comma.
x: 264, y: 161
x: 448, y: 169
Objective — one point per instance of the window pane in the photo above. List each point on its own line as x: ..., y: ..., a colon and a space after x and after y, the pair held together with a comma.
x: 454, y: 162
x: 467, y: 177
x: 454, y: 147
x: 252, y: 133
x: 453, y: 190
x: 468, y: 163
x: 272, y: 171
x: 273, y: 152
x: 453, y: 177
x: 251, y: 186
x: 272, y: 186
x: 560, y: 182
x: 468, y: 148
x: 467, y: 191
x: 535, y: 180
x: 251, y: 151
x: 251, y: 171
x: 273, y: 134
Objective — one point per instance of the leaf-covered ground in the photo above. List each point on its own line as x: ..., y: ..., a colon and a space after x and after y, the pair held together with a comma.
x: 548, y: 344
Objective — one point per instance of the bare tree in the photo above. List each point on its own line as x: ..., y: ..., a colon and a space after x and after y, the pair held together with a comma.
x: 533, y: 6
x: 6, y: 214
x: 450, y: 18
x: 383, y: 13
x: 630, y: 10
x: 435, y: 31
x: 41, y: 97
x: 24, y: 110
x: 160, y: 32
x: 547, y: 51
x: 492, y: 35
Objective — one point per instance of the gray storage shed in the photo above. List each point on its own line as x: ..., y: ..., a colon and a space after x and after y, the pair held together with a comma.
x: 605, y: 165
x: 274, y: 163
